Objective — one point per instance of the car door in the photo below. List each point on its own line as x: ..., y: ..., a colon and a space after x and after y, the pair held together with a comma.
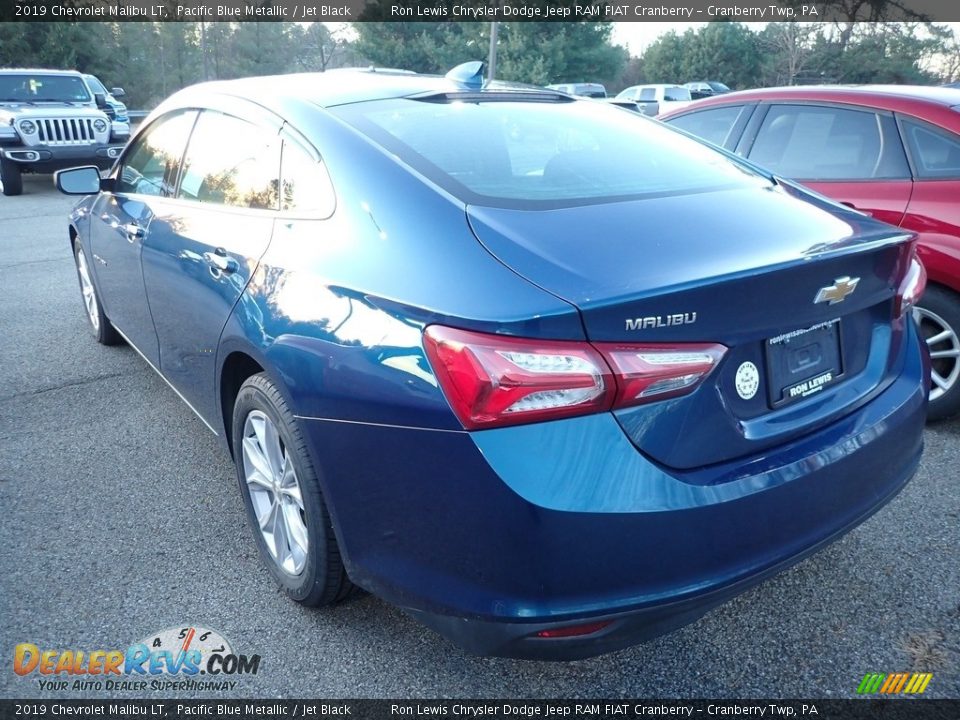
x: 122, y: 219
x: 934, y: 209
x: 198, y: 261
x: 852, y: 155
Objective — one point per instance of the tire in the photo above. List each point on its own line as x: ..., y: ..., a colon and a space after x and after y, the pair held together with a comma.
x: 938, y: 317
x: 10, y: 177
x: 103, y: 330
x: 296, y: 541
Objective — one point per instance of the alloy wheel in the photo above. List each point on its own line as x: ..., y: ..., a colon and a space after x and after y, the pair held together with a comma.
x: 275, y: 493
x: 89, y: 292
x: 944, y: 346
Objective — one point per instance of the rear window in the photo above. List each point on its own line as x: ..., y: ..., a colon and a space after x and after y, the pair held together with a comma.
x: 677, y: 93
x: 539, y: 155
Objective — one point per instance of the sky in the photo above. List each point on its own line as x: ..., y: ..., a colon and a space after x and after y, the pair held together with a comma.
x: 636, y: 36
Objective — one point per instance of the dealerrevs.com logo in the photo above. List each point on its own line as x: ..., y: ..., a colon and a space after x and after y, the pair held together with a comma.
x: 173, y: 659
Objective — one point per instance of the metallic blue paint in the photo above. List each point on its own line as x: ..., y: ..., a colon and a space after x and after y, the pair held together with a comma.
x: 648, y: 515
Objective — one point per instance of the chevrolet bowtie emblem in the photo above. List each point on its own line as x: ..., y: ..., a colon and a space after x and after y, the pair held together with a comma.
x: 838, y: 291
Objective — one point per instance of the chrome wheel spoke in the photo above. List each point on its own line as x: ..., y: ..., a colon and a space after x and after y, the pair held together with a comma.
x: 945, y: 354
x: 275, y: 493
x: 88, y: 291
x: 940, y: 337
x: 940, y: 381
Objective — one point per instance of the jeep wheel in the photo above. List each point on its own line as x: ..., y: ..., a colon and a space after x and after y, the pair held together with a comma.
x: 10, y: 177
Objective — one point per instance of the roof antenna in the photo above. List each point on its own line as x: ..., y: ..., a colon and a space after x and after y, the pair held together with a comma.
x: 468, y: 73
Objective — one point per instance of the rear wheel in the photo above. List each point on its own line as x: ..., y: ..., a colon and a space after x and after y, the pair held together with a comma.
x: 10, y: 177
x: 105, y: 333
x: 938, y: 317
x: 285, y: 508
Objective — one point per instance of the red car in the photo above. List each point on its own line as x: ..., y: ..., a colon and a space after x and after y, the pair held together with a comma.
x: 890, y: 151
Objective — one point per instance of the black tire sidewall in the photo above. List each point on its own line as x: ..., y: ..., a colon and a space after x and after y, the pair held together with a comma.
x: 258, y: 393
x: 11, y: 178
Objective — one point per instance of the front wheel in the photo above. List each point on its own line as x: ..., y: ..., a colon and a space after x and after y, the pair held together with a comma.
x: 938, y: 318
x: 10, y: 177
x: 99, y: 322
x: 281, y: 492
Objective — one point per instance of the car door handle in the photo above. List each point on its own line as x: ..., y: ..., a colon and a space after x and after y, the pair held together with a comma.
x: 219, y: 260
x: 134, y: 232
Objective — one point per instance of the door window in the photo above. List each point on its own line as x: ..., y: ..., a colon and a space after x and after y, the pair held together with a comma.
x: 936, y: 152
x: 712, y: 125
x: 231, y: 162
x: 810, y: 142
x: 151, y: 165
x: 305, y: 182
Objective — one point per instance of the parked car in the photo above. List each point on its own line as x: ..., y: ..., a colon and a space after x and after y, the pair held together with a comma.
x: 589, y: 90
x: 49, y: 120
x: 552, y: 391
x: 706, y: 88
x: 890, y: 151
x: 114, y: 109
x: 655, y: 99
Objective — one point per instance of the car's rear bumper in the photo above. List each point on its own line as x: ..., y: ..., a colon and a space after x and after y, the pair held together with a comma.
x: 491, y: 537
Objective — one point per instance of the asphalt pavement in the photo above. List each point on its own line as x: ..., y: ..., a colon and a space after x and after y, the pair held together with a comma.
x: 121, y: 518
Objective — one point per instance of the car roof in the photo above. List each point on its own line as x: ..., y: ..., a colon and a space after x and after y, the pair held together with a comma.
x: 867, y: 94
x: 343, y: 86
x: 656, y: 85
x: 37, y: 71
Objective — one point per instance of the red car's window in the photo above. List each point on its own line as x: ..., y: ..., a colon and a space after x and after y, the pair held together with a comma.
x: 810, y: 142
x: 936, y: 152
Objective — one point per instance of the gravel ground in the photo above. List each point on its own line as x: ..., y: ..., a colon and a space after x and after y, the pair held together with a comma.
x: 121, y: 518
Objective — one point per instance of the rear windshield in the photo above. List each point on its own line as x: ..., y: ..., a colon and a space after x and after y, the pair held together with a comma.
x: 30, y: 87
x: 541, y: 155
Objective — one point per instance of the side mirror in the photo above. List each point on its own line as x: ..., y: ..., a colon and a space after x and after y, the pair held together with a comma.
x: 78, y: 181
x: 100, y: 99
x: 118, y: 92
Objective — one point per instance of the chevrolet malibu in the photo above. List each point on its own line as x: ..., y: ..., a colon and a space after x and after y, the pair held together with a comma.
x: 552, y: 380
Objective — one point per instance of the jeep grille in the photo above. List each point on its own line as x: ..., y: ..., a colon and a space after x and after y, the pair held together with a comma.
x: 66, y: 131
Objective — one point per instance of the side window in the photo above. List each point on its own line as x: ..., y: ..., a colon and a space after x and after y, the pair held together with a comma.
x: 305, y: 183
x: 150, y: 166
x: 808, y: 142
x: 936, y: 152
x: 648, y: 94
x: 231, y: 162
x: 714, y: 125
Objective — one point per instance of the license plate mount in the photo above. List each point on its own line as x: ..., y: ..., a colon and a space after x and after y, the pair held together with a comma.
x: 803, y: 363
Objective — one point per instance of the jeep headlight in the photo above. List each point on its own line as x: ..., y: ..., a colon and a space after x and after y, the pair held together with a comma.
x: 100, y: 125
x: 28, y: 127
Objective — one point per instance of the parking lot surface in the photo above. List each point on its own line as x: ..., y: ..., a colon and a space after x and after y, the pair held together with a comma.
x: 121, y: 518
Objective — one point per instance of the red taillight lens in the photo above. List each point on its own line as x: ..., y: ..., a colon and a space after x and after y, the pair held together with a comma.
x: 646, y: 373
x: 911, y: 287
x: 494, y: 380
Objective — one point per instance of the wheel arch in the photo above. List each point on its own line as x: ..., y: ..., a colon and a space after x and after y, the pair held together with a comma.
x: 236, y: 368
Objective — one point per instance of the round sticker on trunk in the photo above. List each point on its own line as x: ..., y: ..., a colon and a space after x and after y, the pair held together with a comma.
x: 747, y: 380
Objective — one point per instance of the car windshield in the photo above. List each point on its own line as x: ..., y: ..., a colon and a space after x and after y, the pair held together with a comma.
x: 543, y: 154
x: 29, y: 87
x: 676, y: 93
x: 718, y: 87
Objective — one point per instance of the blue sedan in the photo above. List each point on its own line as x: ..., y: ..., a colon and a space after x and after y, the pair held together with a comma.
x: 552, y: 378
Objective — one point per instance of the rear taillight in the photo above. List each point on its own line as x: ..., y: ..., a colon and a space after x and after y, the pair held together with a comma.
x: 646, y: 373
x: 494, y: 380
x: 911, y: 287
